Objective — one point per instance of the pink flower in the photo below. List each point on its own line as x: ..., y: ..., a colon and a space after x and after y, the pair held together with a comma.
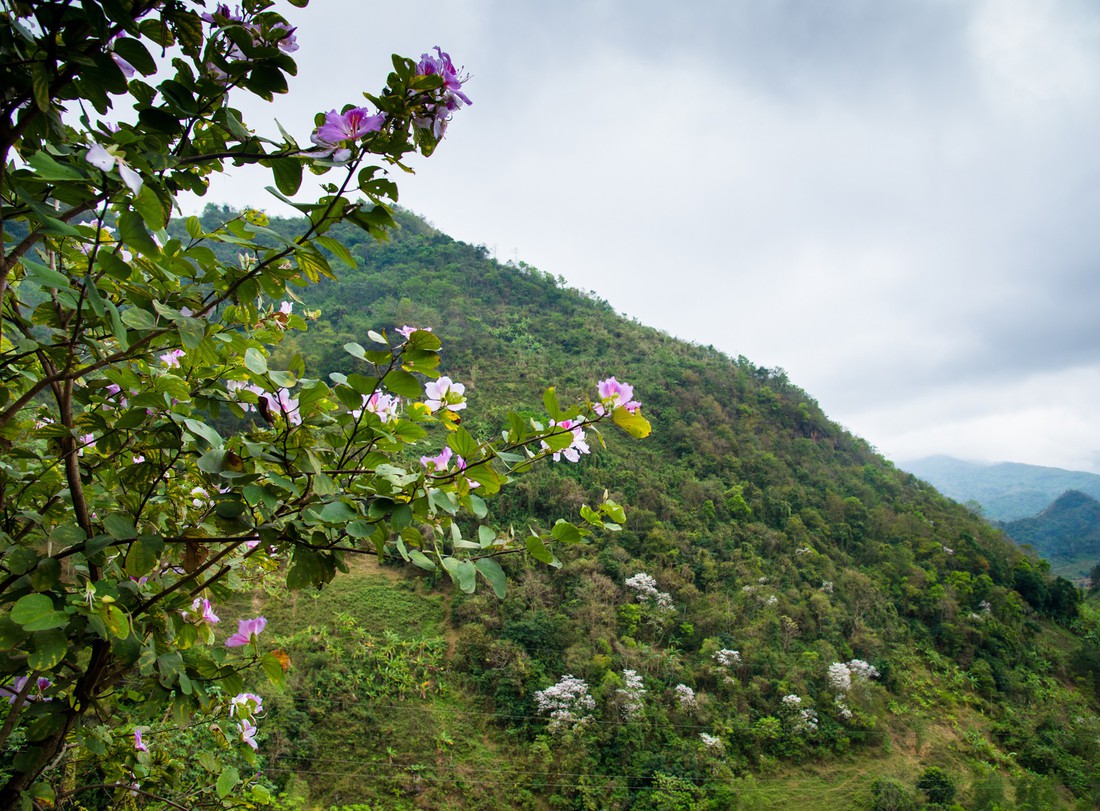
x: 246, y: 629
x: 41, y: 683
x: 614, y: 394
x: 342, y: 127
x: 384, y: 406
x: 171, y: 358
x: 439, y: 463
x: 447, y: 99
x: 86, y: 441
x: 138, y: 745
x: 579, y: 444
x: 205, y: 611
x: 245, y: 705
x: 248, y: 733
x: 445, y: 393
x: 286, y: 307
x: 407, y: 331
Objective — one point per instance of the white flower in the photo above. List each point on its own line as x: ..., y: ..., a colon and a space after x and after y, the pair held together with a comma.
x: 106, y: 158
x: 567, y: 703
x: 646, y: 587
x: 631, y: 694
x: 727, y: 657
x: 710, y: 741
x: 792, y: 700
x: 686, y: 696
x: 445, y: 393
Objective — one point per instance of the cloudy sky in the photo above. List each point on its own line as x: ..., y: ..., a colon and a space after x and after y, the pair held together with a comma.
x: 897, y: 202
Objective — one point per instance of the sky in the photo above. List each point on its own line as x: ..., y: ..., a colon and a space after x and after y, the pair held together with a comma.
x: 896, y: 202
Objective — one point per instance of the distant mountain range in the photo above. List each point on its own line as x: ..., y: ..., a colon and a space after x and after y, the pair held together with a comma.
x: 1006, y: 491
x: 1067, y: 532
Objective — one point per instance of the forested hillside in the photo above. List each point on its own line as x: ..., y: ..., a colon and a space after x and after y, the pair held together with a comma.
x: 1067, y: 533
x: 786, y: 619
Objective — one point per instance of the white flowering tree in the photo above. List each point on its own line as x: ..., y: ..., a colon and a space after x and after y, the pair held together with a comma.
x: 568, y: 704
x: 126, y: 514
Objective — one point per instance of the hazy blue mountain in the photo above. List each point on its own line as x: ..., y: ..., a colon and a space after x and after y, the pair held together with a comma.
x: 1067, y: 533
x: 1006, y: 491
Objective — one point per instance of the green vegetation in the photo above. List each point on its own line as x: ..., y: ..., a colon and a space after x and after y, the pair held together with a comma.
x: 1067, y: 533
x: 768, y: 531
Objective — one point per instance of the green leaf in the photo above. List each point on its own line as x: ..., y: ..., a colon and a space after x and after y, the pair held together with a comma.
x: 143, y: 555
x: 47, y: 168
x: 337, y: 512
x: 418, y: 558
x: 40, y: 85
x: 463, y: 444
x: 338, y: 250
x: 402, y: 383
x: 273, y: 669
x: 462, y: 572
x: 227, y: 781
x: 255, y: 361
x: 550, y: 401
x: 566, y: 533
x: 35, y: 612
x: 45, y: 276
x: 148, y: 205
x: 138, y: 318
x: 49, y: 649
x: 494, y: 575
x: 119, y: 527
x: 634, y: 424
x: 116, y: 622
x: 288, y: 174
x: 205, y: 431
x: 537, y: 549
x: 133, y: 51
x: 133, y: 233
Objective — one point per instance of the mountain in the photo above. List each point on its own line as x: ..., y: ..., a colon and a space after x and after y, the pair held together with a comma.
x: 785, y: 620
x: 1067, y: 533
x: 1006, y: 491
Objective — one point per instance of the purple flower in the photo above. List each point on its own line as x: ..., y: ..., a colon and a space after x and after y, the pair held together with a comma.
x: 283, y: 36
x: 614, y: 394
x: 579, y: 444
x: 381, y: 405
x: 349, y: 126
x: 248, y: 733
x: 171, y: 359
x: 207, y: 611
x: 127, y: 69
x: 245, y: 705
x: 41, y: 683
x: 449, y: 97
x: 445, y: 393
x: 443, y: 67
x: 138, y: 745
x: 440, y: 462
x: 407, y: 331
x: 246, y: 629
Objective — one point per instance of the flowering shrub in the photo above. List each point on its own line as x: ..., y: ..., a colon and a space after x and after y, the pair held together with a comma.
x: 685, y: 697
x: 727, y: 658
x: 127, y: 345
x: 567, y: 703
x: 631, y: 695
x: 646, y: 588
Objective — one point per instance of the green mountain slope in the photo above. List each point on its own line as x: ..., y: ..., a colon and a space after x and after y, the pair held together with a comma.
x: 1006, y: 491
x: 1067, y: 533
x: 767, y: 531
